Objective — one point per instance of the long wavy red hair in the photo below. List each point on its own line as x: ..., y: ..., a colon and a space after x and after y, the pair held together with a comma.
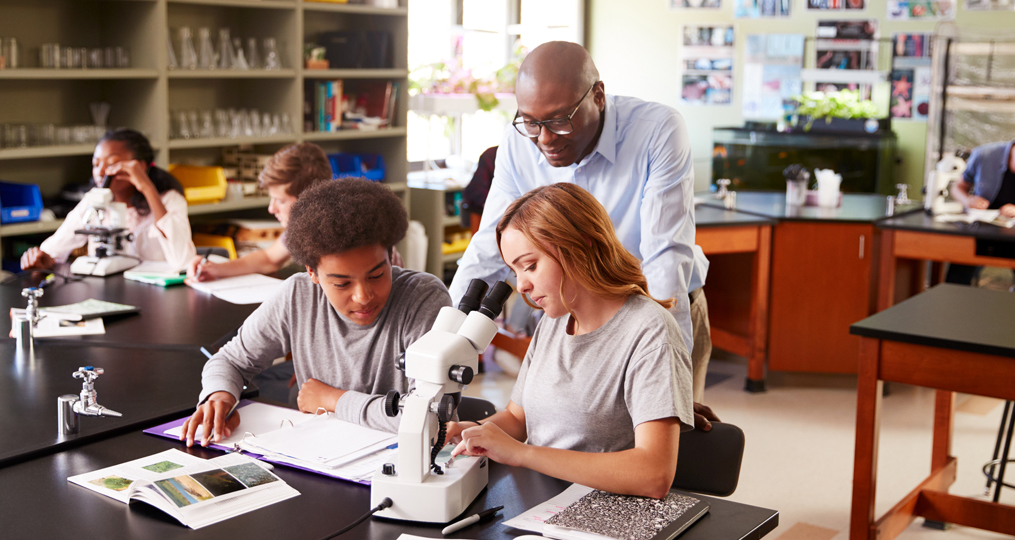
x: 571, y: 221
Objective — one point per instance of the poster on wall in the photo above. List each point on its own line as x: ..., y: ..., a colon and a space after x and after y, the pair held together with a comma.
x: 990, y: 5
x: 848, y: 45
x: 695, y: 4
x: 826, y: 5
x: 921, y: 10
x: 911, y: 75
x: 772, y: 69
x: 707, y: 65
x: 757, y: 9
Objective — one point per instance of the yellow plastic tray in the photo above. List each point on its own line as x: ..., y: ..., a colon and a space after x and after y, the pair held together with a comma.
x: 201, y: 185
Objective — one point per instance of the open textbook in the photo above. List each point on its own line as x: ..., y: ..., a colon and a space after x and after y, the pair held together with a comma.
x: 973, y: 215
x: 248, y: 289
x: 318, y: 443
x: 197, y: 492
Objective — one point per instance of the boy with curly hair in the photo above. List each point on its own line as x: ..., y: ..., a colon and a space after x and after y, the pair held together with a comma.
x: 345, y: 321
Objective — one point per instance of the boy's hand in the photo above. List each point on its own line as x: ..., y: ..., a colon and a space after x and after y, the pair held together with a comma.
x: 978, y: 203
x: 315, y: 395
x: 211, y: 415
x: 702, y: 417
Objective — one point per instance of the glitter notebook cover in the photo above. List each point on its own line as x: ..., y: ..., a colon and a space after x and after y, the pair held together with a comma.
x: 625, y: 517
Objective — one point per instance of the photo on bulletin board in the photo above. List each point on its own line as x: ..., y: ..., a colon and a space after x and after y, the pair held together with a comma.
x: 712, y: 89
x: 911, y: 75
x: 990, y: 5
x: 772, y: 75
x: 846, y: 45
x: 757, y: 9
x: 853, y: 5
x: 707, y: 65
x: 695, y: 4
x: 921, y: 10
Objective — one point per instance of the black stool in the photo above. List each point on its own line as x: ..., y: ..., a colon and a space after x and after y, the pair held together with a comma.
x: 1000, y: 462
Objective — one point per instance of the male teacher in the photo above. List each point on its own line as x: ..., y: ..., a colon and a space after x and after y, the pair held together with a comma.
x: 632, y: 155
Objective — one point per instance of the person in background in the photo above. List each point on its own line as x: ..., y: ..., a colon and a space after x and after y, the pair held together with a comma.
x: 286, y: 175
x: 987, y: 184
x: 346, y: 320
x: 156, y: 208
x: 633, y: 156
x: 605, y: 387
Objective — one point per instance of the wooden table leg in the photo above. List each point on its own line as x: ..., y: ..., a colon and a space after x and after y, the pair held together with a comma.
x: 886, y: 273
x: 865, y: 459
x: 759, y: 311
x: 944, y: 414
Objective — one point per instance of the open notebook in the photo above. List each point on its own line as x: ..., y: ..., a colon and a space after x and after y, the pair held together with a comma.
x: 248, y: 289
x: 322, y: 443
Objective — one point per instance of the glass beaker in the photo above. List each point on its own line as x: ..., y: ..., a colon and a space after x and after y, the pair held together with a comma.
x: 207, y: 60
x: 226, y: 53
x: 253, y: 57
x: 271, y: 58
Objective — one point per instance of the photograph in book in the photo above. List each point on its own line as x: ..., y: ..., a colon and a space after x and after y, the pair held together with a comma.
x: 162, y: 466
x: 183, y: 490
x: 113, y: 482
x: 218, y: 482
x: 250, y: 474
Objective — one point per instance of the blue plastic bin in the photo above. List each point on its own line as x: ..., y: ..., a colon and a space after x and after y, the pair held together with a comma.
x: 346, y: 165
x: 19, y: 202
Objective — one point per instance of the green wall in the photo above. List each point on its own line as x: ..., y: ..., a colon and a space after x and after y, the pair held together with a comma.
x: 637, y: 44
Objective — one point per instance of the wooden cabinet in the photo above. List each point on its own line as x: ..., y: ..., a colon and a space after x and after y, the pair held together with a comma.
x: 822, y: 281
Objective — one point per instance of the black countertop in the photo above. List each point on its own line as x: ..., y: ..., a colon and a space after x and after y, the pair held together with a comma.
x: 145, y: 386
x: 948, y: 316
x: 706, y: 216
x: 921, y: 222
x: 170, y: 317
x: 855, y: 208
x: 39, y: 502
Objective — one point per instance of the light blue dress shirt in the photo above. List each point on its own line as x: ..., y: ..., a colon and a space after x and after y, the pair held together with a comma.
x: 640, y: 171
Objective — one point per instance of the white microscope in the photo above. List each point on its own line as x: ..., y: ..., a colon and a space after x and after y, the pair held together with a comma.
x: 441, y: 363
x: 938, y: 198
x: 102, y: 259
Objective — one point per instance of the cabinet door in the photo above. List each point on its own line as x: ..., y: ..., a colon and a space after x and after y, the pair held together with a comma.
x: 821, y: 283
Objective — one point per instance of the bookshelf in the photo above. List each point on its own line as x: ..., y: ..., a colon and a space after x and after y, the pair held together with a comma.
x: 145, y: 95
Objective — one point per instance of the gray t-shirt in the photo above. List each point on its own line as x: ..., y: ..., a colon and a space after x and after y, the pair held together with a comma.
x: 588, y: 392
x: 328, y: 347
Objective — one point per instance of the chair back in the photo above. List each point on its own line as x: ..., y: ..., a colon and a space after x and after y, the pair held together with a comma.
x: 709, y: 461
x: 474, y: 409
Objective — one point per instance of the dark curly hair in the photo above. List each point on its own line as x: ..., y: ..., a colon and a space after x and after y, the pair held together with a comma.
x: 334, y: 217
x: 137, y: 144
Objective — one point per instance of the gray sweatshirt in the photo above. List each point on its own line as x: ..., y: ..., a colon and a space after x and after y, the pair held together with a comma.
x: 328, y: 347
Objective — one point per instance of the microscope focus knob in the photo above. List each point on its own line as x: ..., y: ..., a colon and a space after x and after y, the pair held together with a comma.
x: 461, y: 374
x: 446, y: 408
x: 391, y: 403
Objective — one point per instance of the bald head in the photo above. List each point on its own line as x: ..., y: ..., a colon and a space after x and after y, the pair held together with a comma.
x: 559, y: 64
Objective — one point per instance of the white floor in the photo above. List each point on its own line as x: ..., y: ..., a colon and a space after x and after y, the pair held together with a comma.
x: 799, y: 453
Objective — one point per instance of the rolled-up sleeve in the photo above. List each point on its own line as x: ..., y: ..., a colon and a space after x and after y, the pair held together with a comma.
x: 172, y: 231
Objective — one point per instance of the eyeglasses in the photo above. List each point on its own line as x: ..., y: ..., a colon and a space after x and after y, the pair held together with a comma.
x: 558, y: 126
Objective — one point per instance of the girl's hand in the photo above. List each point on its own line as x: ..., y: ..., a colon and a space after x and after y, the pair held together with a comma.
x: 454, y: 431
x: 36, y: 259
x: 491, y: 441
x: 133, y: 170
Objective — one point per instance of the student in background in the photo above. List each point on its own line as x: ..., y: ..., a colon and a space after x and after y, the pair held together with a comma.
x: 156, y: 208
x: 346, y: 320
x: 286, y: 175
x: 987, y: 184
x: 605, y: 388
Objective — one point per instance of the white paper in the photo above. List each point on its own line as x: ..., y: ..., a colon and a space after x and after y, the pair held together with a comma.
x: 249, y: 289
x: 532, y: 519
x: 256, y: 419
x: 50, y: 326
x: 323, y: 440
x: 153, y: 269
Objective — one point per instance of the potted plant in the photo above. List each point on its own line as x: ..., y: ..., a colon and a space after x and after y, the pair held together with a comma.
x: 841, y: 111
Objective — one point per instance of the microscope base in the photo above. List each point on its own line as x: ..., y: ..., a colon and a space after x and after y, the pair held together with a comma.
x: 439, y: 498
x: 102, y: 266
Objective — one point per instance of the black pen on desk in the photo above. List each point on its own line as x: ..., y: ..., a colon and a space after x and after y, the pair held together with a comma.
x: 474, y: 518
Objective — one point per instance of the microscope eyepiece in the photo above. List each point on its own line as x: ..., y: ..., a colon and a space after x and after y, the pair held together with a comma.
x: 494, y: 302
x: 473, y: 295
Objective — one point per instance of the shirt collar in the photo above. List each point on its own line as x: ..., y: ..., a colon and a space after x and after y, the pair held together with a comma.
x: 607, y: 144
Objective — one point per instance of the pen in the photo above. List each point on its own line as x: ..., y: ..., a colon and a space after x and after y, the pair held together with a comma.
x: 470, y: 520
x: 200, y: 266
